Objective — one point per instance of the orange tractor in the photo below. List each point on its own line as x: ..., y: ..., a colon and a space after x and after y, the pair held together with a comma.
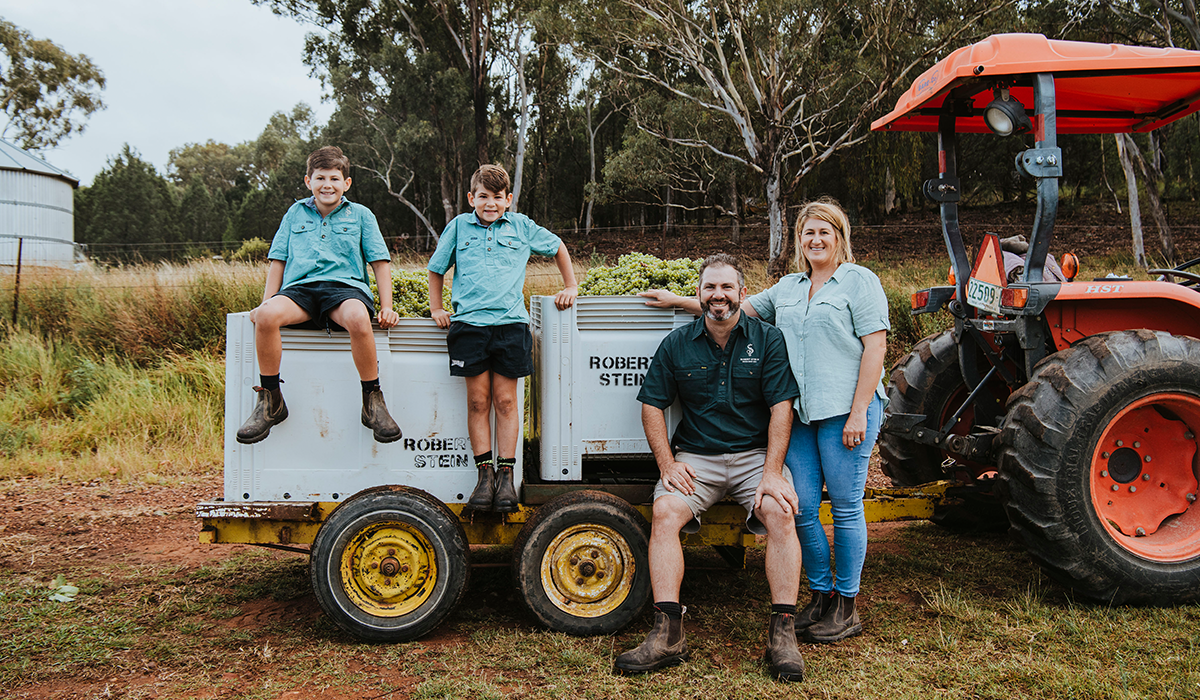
x: 1076, y: 404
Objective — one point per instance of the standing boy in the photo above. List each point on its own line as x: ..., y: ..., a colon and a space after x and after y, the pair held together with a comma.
x: 489, y: 339
x: 318, y: 277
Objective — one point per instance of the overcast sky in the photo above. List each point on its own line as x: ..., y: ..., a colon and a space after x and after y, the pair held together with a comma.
x: 178, y: 71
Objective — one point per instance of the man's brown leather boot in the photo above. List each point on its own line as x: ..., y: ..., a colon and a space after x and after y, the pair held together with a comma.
x: 664, y: 646
x: 783, y: 656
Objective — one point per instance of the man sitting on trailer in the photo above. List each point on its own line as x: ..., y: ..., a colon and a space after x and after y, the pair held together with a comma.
x: 731, y: 374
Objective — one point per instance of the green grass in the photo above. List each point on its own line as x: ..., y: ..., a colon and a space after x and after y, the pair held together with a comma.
x: 946, y: 616
x: 118, y: 372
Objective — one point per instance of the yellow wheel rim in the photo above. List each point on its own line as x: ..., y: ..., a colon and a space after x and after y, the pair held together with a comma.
x: 388, y: 569
x: 587, y: 571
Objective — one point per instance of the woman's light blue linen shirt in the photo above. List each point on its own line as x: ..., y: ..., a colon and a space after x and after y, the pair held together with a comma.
x: 823, y: 334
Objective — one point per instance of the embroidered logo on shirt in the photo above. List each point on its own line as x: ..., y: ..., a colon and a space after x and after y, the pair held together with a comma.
x: 457, y: 363
x: 749, y: 359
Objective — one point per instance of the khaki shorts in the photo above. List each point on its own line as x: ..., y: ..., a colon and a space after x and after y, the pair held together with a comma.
x: 735, y: 475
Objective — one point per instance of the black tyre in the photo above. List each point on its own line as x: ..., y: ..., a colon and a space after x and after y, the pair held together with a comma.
x: 581, y: 564
x: 928, y: 382
x: 389, y: 564
x: 1098, y: 467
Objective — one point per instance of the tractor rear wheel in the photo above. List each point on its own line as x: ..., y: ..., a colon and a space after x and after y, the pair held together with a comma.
x: 389, y: 564
x: 929, y: 382
x: 1098, y: 468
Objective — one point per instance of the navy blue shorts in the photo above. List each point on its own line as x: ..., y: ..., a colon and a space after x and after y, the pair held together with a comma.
x: 319, y: 298
x: 506, y: 350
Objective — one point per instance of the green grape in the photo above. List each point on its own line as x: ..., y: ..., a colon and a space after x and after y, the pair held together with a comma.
x: 410, y: 294
x: 637, y: 272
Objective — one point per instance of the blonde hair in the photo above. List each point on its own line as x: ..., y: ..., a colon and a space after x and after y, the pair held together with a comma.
x: 828, y: 210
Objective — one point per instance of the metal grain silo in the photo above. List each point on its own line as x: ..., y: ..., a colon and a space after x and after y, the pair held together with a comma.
x: 37, y: 205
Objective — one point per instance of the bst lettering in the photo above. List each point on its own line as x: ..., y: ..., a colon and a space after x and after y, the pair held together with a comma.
x: 1103, y: 288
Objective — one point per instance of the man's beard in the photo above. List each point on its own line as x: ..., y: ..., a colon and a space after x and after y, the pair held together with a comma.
x: 721, y: 314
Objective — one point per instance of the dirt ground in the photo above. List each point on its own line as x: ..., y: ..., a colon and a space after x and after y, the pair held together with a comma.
x: 96, y: 529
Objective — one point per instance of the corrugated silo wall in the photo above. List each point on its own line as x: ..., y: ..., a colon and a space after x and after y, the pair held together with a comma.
x: 32, y: 204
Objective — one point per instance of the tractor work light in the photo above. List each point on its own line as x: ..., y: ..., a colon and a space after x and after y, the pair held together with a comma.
x: 1005, y: 115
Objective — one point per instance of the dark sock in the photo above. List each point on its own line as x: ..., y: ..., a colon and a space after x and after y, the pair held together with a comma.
x: 783, y: 609
x: 672, y: 610
x: 369, y: 386
x: 270, y: 382
x: 484, y: 460
x: 506, y: 462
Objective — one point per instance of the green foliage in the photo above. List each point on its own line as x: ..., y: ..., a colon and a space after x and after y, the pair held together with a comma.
x: 638, y: 272
x: 203, y: 215
x: 253, y: 250
x: 129, y: 212
x: 410, y: 294
x: 46, y: 93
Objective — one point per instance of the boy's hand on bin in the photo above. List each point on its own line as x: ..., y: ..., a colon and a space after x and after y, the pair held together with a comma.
x: 565, y: 298
x: 388, y: 318
x: 441, y: 318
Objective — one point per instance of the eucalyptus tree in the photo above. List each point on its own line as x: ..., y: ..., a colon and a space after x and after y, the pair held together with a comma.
x: 46, y: 93
x: 792, y: 81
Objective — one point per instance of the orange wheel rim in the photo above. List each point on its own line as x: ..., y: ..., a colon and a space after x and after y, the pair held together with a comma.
x: 1143, y: 477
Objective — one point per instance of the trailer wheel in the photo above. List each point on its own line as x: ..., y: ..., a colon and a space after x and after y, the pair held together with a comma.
x: 581, y: 563
x: 389, y: 564
x: 1099, y: 467
x: 928, y: 382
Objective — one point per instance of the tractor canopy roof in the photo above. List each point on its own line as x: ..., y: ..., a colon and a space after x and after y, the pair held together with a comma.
x: 1099, y: 88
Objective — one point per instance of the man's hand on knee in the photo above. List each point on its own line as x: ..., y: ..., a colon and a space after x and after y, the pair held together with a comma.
x: 679, y: 476
x: 780, y: 490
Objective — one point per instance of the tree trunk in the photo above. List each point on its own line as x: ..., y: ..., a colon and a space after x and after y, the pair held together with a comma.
x: 889, y: 191
x: 522, y: 123
x: 735, y: 237
x: 776, y: 262
x: 1152, y: 177
x: 1135, y: 212
x: 479, y: 80
x: 448, y: 196
x: 591, y: 195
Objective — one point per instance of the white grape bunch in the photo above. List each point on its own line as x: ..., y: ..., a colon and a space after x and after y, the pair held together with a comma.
x: 410, y: 294
x: 637, y: 272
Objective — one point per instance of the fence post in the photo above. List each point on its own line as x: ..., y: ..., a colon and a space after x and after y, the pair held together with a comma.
x: 17, y: 285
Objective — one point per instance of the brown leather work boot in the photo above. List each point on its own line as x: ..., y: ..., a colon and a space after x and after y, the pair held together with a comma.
x: 505, y: 500
x: 485, y: 489
x: 376, y: 417
x: 270, y: 410
x: 783, y: 656
x: 814, y: 611
x: 664, y: 646
x: 840, y: 622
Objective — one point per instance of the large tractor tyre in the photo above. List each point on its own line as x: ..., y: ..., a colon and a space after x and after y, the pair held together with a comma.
x: 581, y: 563
x: 389, y: 564
x: 1098, y: 468
x: 928, y: 382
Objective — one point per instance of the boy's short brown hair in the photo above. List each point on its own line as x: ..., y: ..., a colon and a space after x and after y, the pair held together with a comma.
x: 328, y: 158
x: 493, y: 178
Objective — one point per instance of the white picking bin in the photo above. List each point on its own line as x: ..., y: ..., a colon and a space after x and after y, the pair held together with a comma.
x: 322, y: 452
x: 589, y: 363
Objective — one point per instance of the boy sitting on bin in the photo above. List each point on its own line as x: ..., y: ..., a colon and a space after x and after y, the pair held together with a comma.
x: 318, y: 278
x: 489, y: 340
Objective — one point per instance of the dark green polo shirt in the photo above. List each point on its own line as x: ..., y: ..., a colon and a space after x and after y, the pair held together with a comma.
x: 726, y: 394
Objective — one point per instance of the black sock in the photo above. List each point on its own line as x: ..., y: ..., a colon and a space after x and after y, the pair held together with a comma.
x: 270, y: 382
x: 783, y: 609
x: 484, y: 460
x: 506, y: 462
x: 370, y: 385
x: 671, y: 609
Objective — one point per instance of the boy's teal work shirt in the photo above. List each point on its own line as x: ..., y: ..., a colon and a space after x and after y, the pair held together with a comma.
x: 335, y: 248
x: 726, y: 394
x: 489, y: 266
x: 823, y: 334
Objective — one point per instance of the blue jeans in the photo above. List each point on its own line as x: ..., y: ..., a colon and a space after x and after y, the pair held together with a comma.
x: 816, y: 458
